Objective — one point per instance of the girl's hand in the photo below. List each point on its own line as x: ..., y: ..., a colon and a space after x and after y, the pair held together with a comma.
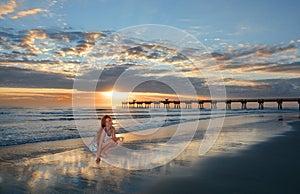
x: 98, y: 160
x: 115, y: 139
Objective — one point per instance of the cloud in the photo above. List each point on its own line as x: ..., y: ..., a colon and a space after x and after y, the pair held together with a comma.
x: 235, y: 88
x: 6, y: 8
x: 122, y: 78
x: 241, y: 82
x: 45, y: 49
x: 279, y: 60
x: 58, y: 48
x: 266, y: 88
x: 293, y: 68
x: 18, y: 77
x: 29, y: 40
x: 51, y: 58
x: 288, y: 68
x: 66, y: 68
x: 257, y: 50
x: 266, y: 51
x: 55, y: 42
x: 25, y: 13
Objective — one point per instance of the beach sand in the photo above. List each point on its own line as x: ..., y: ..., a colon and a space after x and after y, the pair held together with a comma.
x: 253, y: 154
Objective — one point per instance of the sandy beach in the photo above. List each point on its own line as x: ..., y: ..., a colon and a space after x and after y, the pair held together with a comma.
x: 253, y: 154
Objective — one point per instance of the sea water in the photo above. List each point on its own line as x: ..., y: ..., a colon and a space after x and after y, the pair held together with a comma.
x: 20, y: 125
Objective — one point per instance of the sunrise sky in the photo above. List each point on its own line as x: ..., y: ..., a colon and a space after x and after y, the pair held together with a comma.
x: 43, y: 43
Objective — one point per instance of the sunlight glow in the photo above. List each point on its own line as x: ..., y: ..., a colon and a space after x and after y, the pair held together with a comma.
x: 108, y: 94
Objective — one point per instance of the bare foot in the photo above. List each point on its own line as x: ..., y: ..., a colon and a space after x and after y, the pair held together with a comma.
x: 98, y: 160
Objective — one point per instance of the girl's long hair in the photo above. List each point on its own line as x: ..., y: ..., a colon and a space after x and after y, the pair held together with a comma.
x: 103, y: 120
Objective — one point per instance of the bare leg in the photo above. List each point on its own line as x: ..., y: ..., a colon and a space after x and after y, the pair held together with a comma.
x: 100, y: 136
x: 108, y: 145
x: 102, y: 153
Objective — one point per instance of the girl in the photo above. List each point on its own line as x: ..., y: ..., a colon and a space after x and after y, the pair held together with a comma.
x: 106, y: 137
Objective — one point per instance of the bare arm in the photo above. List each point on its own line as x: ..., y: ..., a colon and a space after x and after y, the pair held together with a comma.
x: 113, y: 135
x: 116, y: 139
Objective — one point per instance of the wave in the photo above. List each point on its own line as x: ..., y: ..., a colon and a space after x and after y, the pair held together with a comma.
x: 5, y: 113
x: 25, y: 141
x: 58, y: 119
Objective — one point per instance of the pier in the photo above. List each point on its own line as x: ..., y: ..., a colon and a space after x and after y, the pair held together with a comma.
x: 167, y: 104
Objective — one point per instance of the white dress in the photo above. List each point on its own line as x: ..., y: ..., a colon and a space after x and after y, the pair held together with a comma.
x: 93, y: 146
x: 106, y: 137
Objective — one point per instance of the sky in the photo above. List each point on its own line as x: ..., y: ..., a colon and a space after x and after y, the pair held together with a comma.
x: 254, y: 46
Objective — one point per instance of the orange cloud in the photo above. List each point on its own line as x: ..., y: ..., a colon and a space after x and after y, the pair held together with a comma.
x: 6, y: 8
x: 25, y: 13
x: 35, y: 97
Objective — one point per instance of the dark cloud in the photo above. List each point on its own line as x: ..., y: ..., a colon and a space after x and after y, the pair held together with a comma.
x: 176, y: 58
x: 154, y: 86
x: 276, y: 49
x: 266, y: 88
x: 293, y: 68
x: 258, y: 49
x: 17, y: 77
x: 280, y: 68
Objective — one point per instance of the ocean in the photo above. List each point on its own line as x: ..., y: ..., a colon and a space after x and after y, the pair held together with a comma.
x: 256, y: 151
x: 21, y: 125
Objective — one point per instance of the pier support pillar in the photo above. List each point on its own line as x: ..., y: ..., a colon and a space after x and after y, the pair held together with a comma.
x: 166, y: 103
x: 228, y: 104
x: 156, y: 105
x: 139, y: 105
x: 124, y: 104
x: 188, y: 105
x: 201, y: 104
x: 244, y: 104
x: 132, y: 104
x: 177, y: 104
x: 166, y: 106
x: 260, y: 104
x: 148, y: 104
x: 279, y: 102
x: 213, y: 104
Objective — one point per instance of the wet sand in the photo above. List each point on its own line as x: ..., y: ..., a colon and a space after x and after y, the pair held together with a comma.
x: 243, y: 160
x: 267, y: 167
